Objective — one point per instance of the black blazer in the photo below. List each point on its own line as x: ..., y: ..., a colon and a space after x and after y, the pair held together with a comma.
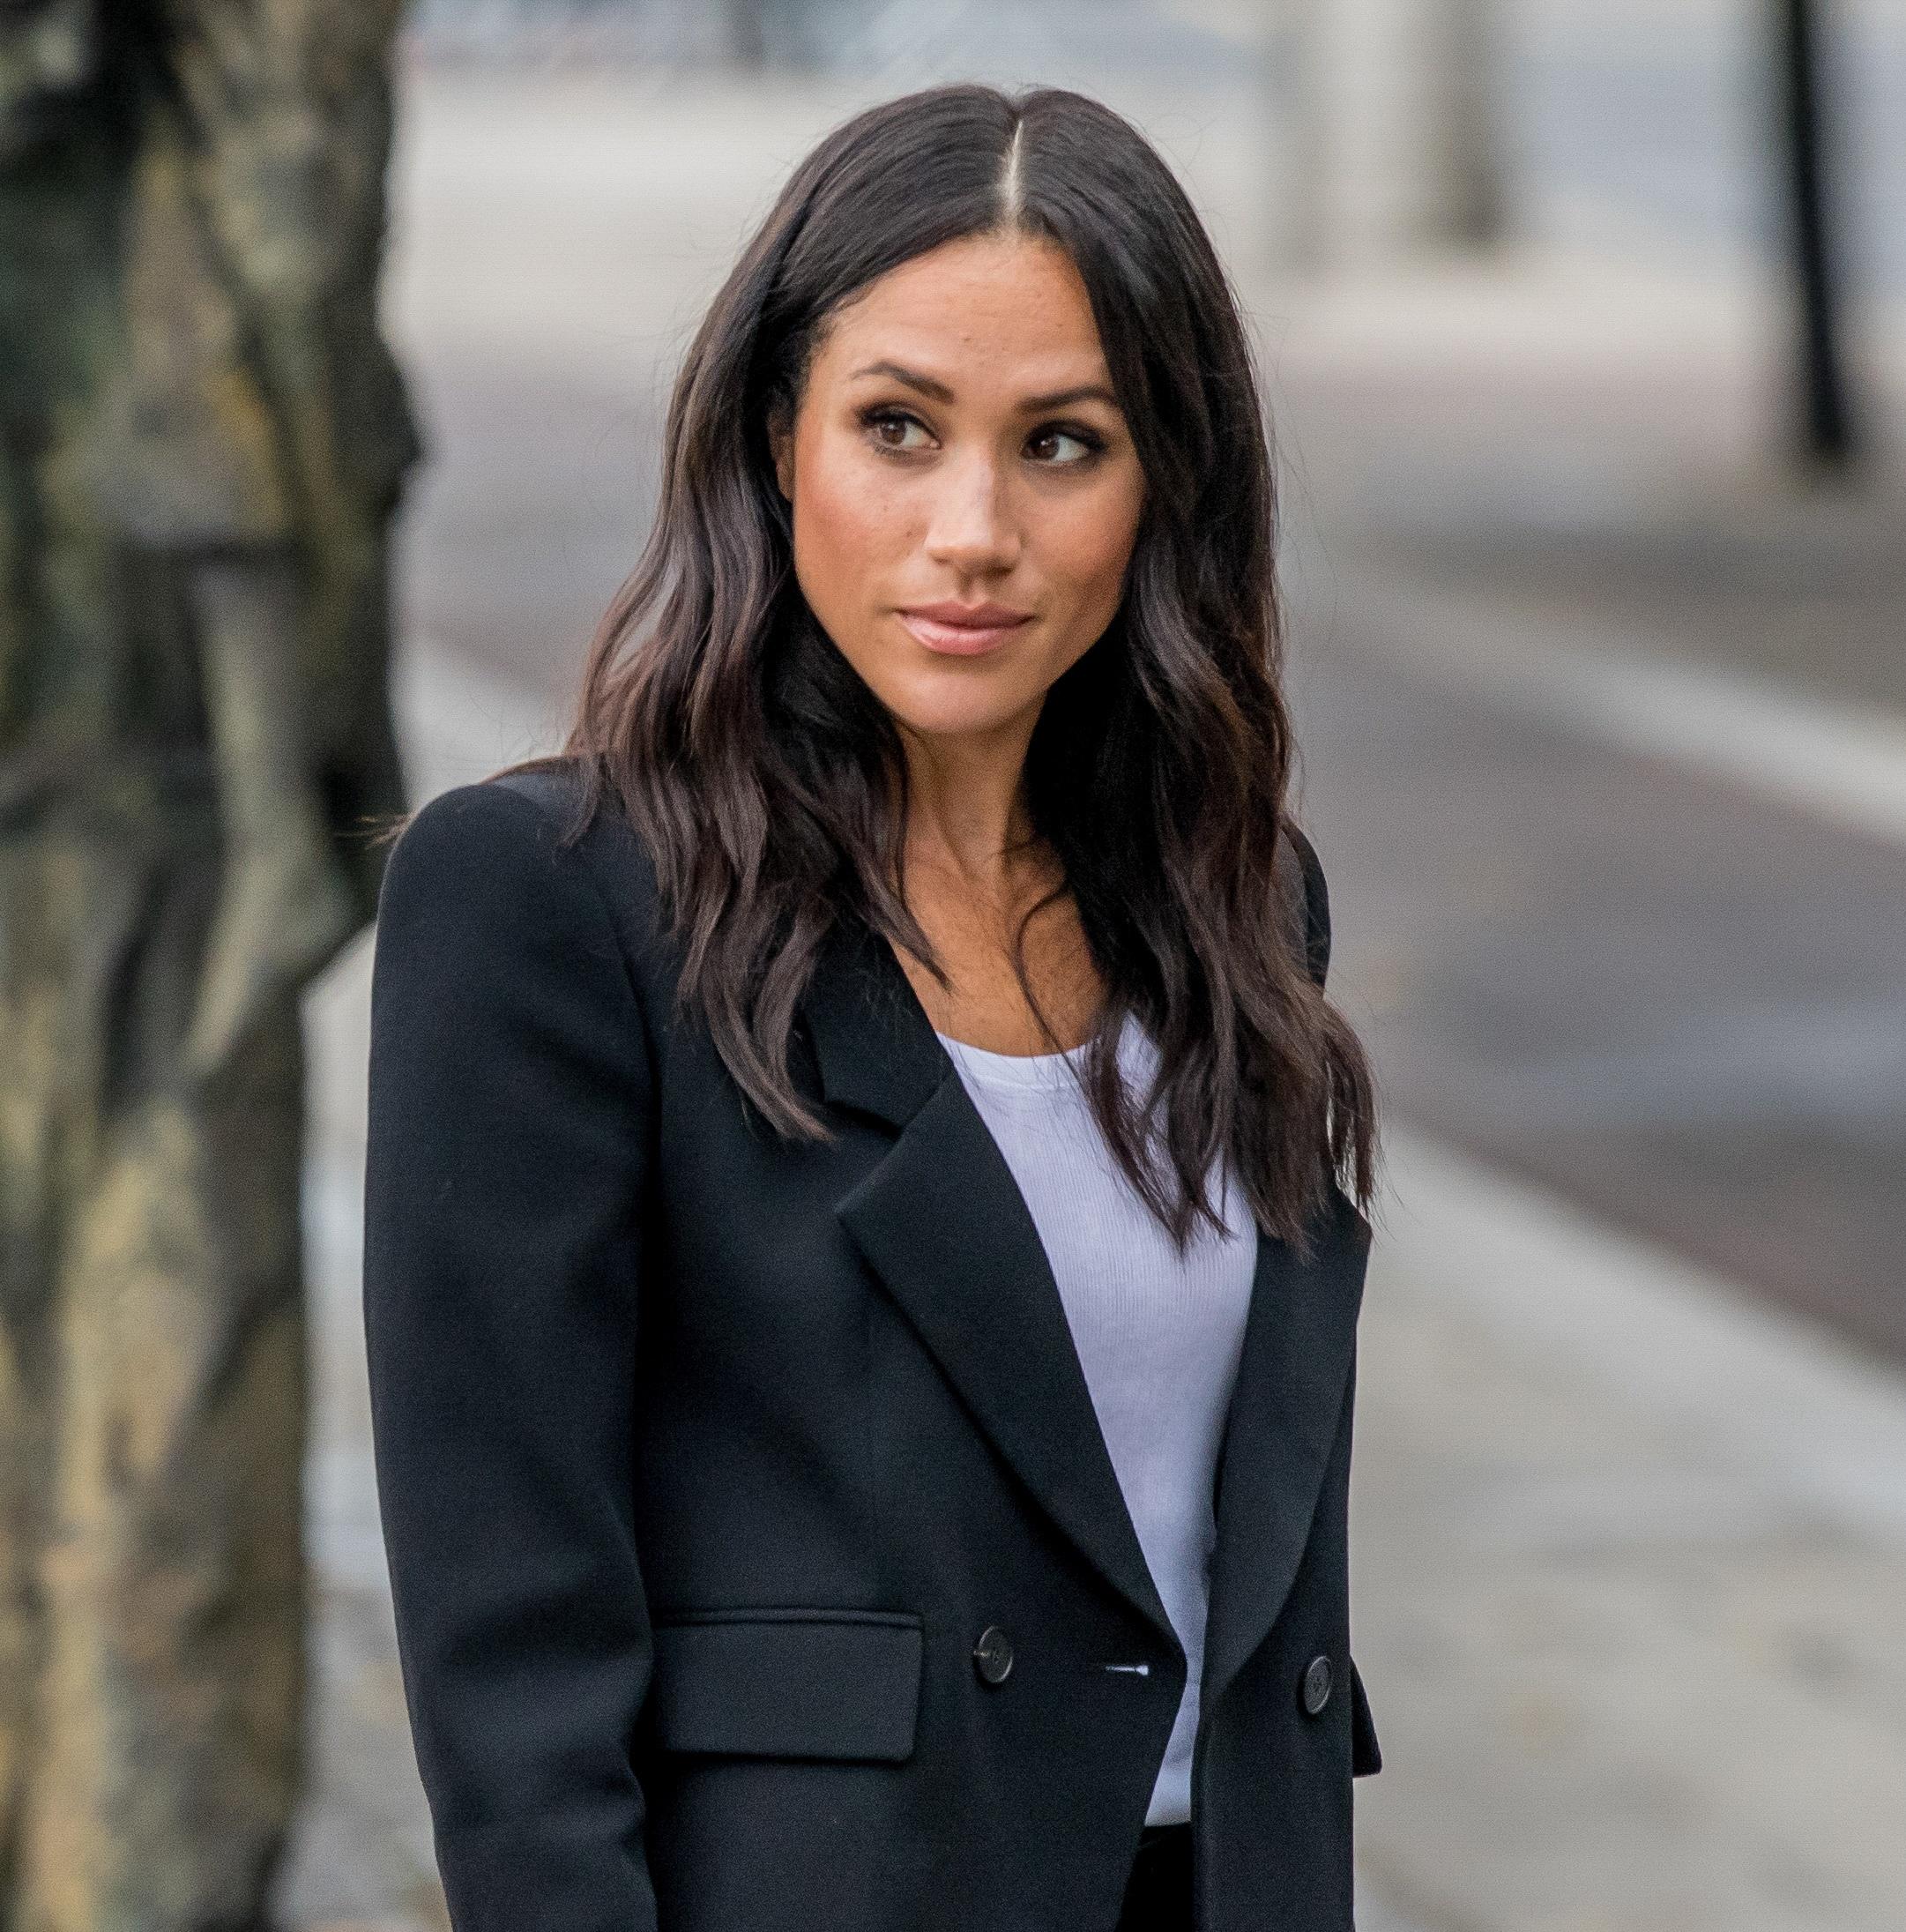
x: 758, y: 1563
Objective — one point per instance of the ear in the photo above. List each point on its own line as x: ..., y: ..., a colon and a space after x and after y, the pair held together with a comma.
x: 781, y: 447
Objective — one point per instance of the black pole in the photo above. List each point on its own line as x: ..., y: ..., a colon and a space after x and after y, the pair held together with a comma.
x: 1825, y: 426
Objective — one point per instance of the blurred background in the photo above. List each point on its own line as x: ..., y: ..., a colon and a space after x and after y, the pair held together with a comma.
x: 1583, y: 331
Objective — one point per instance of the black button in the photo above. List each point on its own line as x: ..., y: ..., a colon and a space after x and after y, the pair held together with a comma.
x: 993, y: 1654
x: 1316, y: 1685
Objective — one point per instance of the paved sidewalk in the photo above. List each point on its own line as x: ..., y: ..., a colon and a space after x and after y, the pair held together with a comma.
x: 1597, y: 451
x: 1630, y: 1548
x: 1629, y: 1554
x: 1632, y: 701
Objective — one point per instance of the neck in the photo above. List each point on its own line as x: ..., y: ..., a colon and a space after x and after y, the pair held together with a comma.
x: 967, y: 809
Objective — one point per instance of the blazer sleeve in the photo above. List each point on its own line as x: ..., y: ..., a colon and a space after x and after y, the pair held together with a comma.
x: 509, y: 1119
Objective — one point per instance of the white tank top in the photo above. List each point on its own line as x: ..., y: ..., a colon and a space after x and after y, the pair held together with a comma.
x: 1158, y: 1334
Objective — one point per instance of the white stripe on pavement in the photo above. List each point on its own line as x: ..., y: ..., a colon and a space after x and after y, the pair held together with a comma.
x: 1782, y: 1399
x: 1843, y: 762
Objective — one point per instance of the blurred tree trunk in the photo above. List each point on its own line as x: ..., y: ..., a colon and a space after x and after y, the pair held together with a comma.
x: 202, y: 443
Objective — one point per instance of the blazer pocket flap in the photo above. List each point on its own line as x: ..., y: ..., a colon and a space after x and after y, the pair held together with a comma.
x: 797, y: 1683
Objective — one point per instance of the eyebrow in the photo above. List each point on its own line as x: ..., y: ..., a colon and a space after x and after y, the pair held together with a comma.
x: 930, y: 386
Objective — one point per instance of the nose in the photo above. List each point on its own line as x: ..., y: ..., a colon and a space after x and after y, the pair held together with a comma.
x: 973, y: 528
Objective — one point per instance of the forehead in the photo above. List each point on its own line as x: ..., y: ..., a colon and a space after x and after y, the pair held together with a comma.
x: 985, y: 305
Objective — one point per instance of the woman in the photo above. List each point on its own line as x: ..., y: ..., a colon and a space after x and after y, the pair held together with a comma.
x: 861, y: 1283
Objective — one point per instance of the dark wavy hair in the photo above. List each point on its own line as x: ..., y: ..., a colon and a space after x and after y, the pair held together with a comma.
x: 768, y: 781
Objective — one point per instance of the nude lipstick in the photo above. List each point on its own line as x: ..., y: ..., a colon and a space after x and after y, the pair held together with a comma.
x: 963, y: 630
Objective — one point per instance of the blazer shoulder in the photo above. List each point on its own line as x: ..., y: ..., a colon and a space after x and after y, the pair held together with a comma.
x: 523, y: 832
x: 1307, y: 896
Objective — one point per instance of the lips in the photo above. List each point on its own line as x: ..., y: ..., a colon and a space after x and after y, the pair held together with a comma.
x: 963, y: 630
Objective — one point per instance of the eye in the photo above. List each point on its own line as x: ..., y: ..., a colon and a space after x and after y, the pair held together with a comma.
x: 1060, y: 445
x: 896, y: 430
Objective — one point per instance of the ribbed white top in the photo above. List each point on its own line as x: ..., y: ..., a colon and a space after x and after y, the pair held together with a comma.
x: 1157, y: 1333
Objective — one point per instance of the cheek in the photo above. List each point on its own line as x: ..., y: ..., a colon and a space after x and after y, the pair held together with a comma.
x: 844, y: 522
x: 1087, y: 546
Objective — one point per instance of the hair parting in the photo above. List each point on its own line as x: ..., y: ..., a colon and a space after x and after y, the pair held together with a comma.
x: 1012, y: 188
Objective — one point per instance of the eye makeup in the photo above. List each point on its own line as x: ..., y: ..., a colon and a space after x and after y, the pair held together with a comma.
x: 875, y: 416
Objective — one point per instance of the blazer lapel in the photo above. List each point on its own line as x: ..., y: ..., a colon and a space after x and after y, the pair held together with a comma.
x: 1293, y: 1374
x: 943, y: 1226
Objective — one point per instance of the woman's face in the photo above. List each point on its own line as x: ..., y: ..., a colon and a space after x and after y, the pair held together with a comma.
x: 966, y: 492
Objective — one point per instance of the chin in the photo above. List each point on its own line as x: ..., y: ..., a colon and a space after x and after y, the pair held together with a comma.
x: 936, y: 706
